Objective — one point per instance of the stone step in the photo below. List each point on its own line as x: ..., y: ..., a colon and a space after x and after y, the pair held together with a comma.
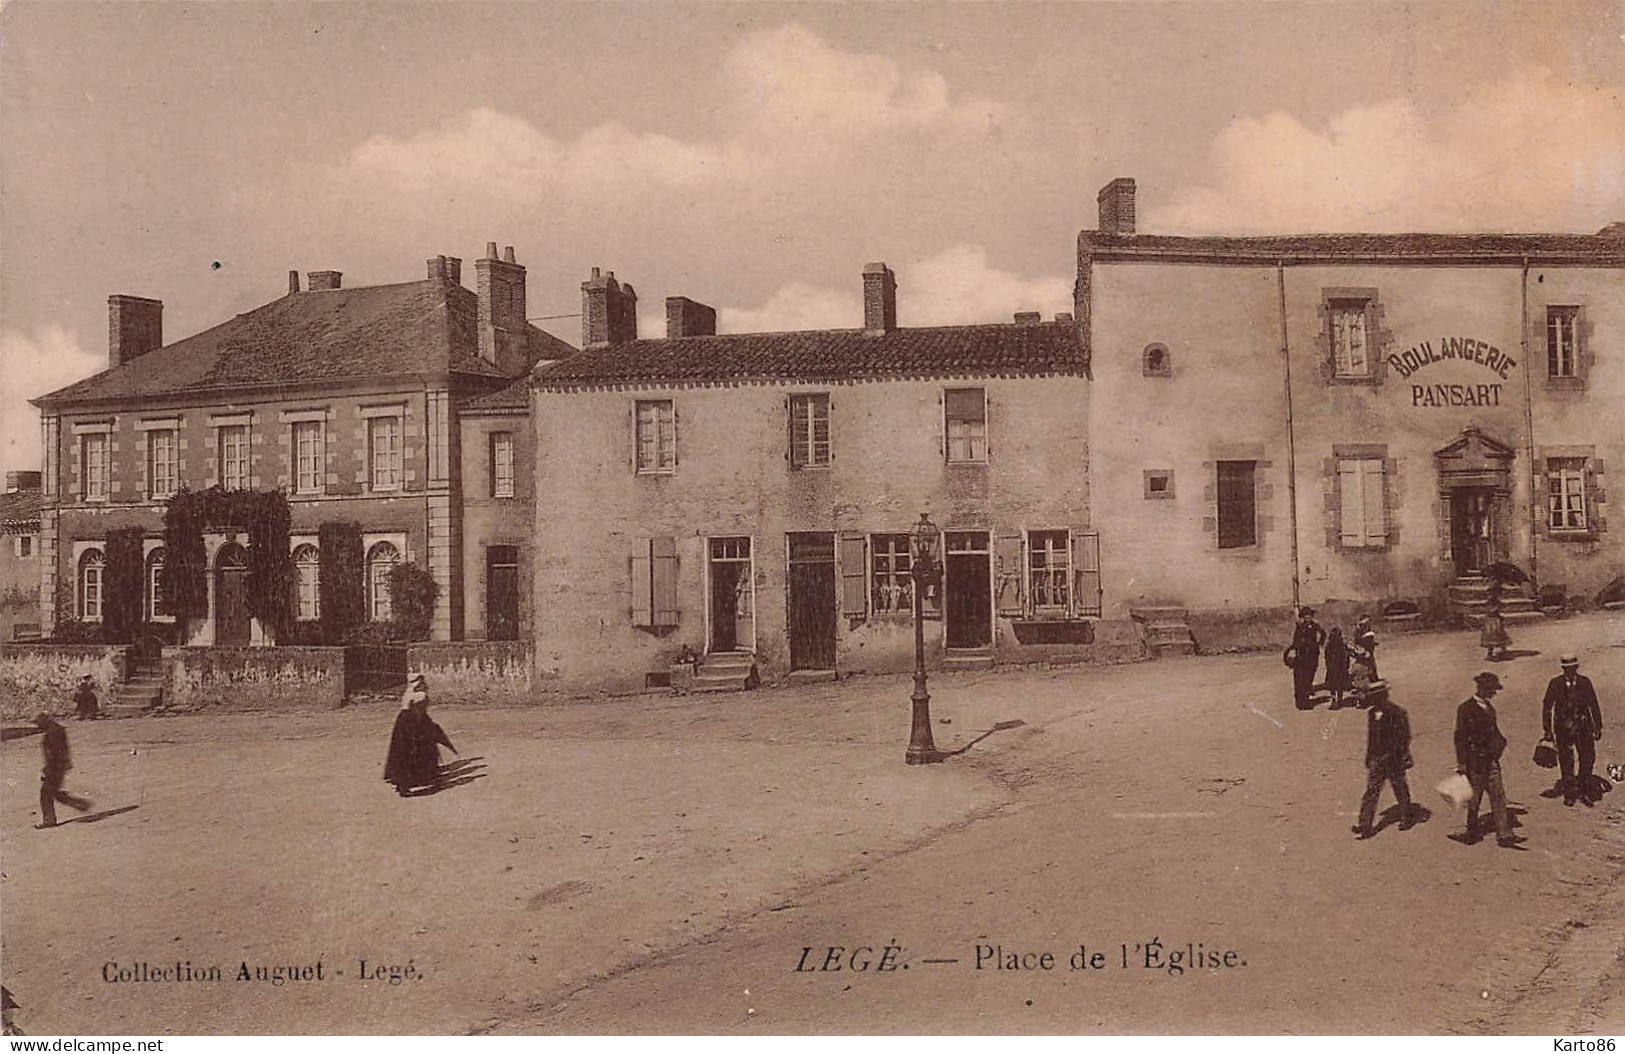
x: 1167, y: 631
x: 1164, y: 649
x: 968, y: 659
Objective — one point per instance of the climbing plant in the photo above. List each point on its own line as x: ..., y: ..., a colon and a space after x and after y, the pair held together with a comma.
x: 264, y: 517
x: 412, y: 593
x: 341, y: 579
x: 123, y: 585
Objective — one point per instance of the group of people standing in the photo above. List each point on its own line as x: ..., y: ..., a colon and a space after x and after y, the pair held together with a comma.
x: 1351, y: 664
x: 1570, y: 715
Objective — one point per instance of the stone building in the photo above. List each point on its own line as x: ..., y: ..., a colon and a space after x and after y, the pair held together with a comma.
x: 750, y: 496
x: 19, y: 556
x: 348, y: 399
x: 1349, y: 418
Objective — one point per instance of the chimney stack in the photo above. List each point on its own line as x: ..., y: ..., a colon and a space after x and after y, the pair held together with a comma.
x: 609, y: 311
x: 135, y: 326
x: 689, y: 318
x: 322, y: 280
x: 293, y: 282
x: 22, y: 480
x: 500, y: 283
x: 1116, y: 201
x: 446, y: 269
x: 879, y: 300
x: 1029, y: 318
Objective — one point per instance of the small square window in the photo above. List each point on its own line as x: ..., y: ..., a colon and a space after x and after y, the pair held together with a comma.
x: 1156, y: 362
x: 1159, y: 483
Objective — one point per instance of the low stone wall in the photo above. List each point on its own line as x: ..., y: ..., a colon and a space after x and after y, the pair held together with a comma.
x: 473, y: 671
x: 35, y: 677
x: 253, y: 678
x: 1241, y: 629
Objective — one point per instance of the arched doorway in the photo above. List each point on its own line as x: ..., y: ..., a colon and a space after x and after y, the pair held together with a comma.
x: 231, y: 618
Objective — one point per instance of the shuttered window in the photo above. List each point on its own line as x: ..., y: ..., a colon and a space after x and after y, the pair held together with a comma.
x: 964, y: 412
x: 1362, y: 509
x: 1566, y: 493
x: 809, y: 431
x: 654, y: 582
x: 1010, y: 591
x: 656, y: 439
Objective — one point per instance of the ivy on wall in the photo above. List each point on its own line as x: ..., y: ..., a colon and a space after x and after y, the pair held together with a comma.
x: 123, y: 585
x: 412, y: 593
x: 265, y: 518
x: 341, y: 579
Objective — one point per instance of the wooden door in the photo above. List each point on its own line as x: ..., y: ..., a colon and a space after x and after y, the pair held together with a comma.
x: 812, y: 601
x: 968, y: 600
x: 502, y: 592
x: 231, y: 620
x: 1470, y: 530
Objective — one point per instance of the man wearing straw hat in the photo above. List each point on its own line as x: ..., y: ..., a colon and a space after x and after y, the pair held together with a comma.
x: 1479, y: 744
x: 1570, y: 711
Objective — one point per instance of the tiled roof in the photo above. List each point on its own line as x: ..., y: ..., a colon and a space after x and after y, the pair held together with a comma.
x: 324, y: 335
x: 19, y: 511
x: 1602, y: 248
x: 515, y: 396
x: 828, y: 354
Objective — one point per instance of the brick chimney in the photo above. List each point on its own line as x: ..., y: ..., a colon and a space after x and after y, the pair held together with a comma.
x: 879, y: 299
x: 1029, y: 318
x: 293, y: 282
x: 500, y: 282
x: 320, y: 280
x: 16, y: 481
x: 446, y: 269
x: 689, y: 318
x: 135, y: 326
x: 1117, y: 207
x: 609, y: 311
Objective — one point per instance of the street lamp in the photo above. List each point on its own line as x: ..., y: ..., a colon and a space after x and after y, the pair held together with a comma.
x: 926, y: 567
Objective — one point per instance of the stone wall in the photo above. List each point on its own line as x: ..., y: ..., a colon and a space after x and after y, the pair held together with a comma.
x: 474, y: 671
x: 35, y: 677
x: 253, y: 678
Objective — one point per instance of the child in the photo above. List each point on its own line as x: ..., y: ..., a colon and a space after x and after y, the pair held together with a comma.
x: 1337, y: 666
x: 84, y: 700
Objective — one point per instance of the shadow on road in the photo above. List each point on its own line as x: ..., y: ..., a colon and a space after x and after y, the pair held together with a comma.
x: 1002, y: 726
x: 1515, y: 653
x: 96, y: 817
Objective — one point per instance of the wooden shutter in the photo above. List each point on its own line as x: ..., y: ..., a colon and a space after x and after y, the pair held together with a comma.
x: 790, y: 430
x: 1376, y: 512
x: 1010, y: 589
x: 642, y: 584
x: 800, y: 427
x: 1085, y: 573
x: 854, y: 571
x: 676, y: 442
x: 663, y: 580
x: 1351, y: 509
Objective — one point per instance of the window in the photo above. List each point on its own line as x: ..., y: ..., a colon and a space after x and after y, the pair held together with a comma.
x: 1562, y: 342
x: 1349, y: 339
x: 965, y: 413
x: 90, y: 585
x: 161, y: 462
x: 1362, y: 511
x: 309, y: 464
x: 157, y: 602
x: 94, y: 454
x: 1049, y: 570
x: 1155, y: 361
x: 1159, y: 484
x: 381, y: 560
x: 656, y: 436
x: 501, y: 464
x: 307, y: 567
x: 23, y: 545
x: 384, y: 452
x: 234, y: 457
x: 502, y: 592
x: 1566, y: 493
x: 809, y: 431
x: 891, y: 580
x: 1238, y: 526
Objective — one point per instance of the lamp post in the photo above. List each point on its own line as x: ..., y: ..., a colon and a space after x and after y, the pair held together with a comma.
x: 926, y: 568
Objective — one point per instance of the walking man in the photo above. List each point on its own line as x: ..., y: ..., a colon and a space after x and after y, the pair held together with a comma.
x: 1479, y: 744
x: 1573, y: 722
x: 1387, y: 756
x: 57, y: 764
x: 1305, y: 652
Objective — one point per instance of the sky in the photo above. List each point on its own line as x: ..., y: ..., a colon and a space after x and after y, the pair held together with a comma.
x: 753, y: 157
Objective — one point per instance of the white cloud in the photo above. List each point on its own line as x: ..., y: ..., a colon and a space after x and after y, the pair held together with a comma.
x: 32, y: 365
x: 793, y: 82
x: 956, y: 286
x: 1530, y: 153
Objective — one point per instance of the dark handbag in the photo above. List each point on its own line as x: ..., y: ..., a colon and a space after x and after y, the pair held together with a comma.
x: 1546, y: 754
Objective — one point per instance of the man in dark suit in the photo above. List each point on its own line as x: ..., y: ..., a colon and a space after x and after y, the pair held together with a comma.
x: 1479, y: 744
x: 1306, y: 642
x: 55, y: 770
x: 1387, y: 756
x: 1573, y: 721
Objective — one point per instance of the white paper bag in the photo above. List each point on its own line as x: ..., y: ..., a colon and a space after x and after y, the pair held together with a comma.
x: 1456, y: 789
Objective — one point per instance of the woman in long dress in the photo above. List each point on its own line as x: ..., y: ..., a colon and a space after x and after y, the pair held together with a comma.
x: 1337, y: 666
x: 414, y: 743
